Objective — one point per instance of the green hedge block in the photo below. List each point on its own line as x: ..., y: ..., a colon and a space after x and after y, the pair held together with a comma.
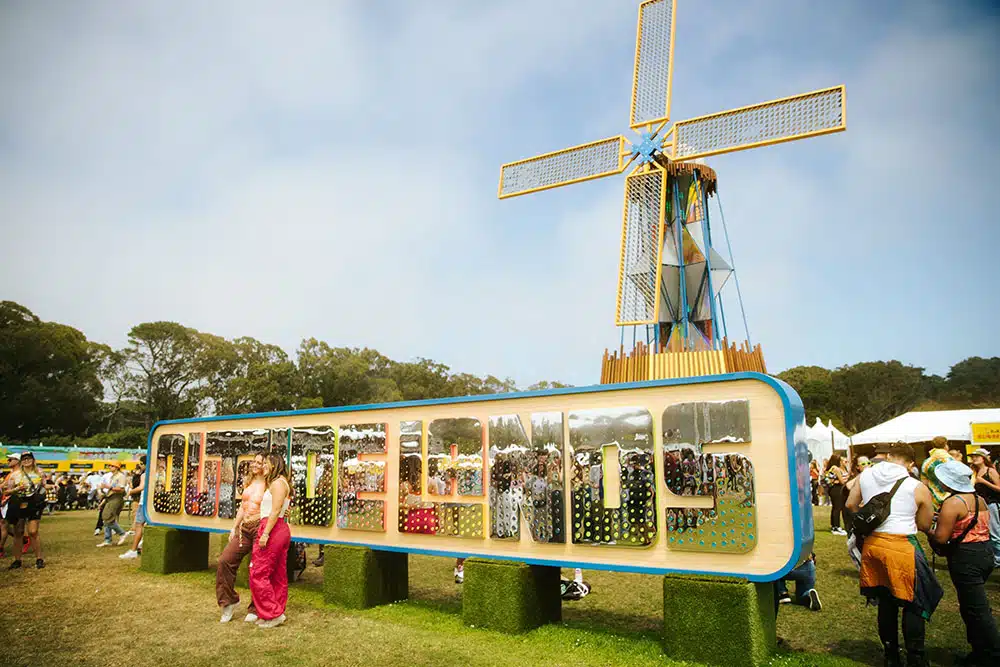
x: 718, y: 620
x: 360, y: 577
x: 510, y: 597
x: 169, y: 550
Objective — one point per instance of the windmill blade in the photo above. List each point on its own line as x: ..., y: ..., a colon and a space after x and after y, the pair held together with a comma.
x: 654, y: 51
x: 642, y: 242
x: 797, y: 117
x: 570, y: 165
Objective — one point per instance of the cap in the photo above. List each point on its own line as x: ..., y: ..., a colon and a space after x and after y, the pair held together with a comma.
x: 982, y: 451
x: 14, y: 455
x: 955, y: 475
x: 23, y: 454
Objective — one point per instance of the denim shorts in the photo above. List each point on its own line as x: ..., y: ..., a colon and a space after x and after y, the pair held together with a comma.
x: 140, y: 514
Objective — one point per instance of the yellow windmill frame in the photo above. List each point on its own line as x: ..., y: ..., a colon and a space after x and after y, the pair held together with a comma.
x: 790, y: 118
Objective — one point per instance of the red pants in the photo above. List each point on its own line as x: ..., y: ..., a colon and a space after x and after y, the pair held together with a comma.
x: 268, y: 571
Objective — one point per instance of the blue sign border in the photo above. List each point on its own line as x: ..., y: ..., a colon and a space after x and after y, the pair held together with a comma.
x: 797, y: 456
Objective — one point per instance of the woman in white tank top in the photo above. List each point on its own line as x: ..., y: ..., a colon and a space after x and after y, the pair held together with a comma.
x: 268, y: 576
x: 902, y: 519
x: 894, y: 568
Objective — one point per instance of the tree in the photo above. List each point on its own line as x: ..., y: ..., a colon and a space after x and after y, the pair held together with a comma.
x: 167, y: 365
x: 48, y: 376
x: 247, y: 375
x: 974, y: 382
x: 870, y: 393
x: 546, y: 384
x: 345, y: 376
x: 814, y: 386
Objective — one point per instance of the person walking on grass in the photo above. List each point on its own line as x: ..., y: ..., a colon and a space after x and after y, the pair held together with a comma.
x: 987, y: 482
x: 268, y: 572
x: 13, y: 462
x: 241, y: 541
x: 962, y: 535
x: 25, y: 507
x: 114, y: 501
x: 138, y: 494
x: 894, y: 569
x: 835, y: 478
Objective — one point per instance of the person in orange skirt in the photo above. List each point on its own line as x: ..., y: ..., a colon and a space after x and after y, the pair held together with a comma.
x: 268, y: 571
x: 894, y: 569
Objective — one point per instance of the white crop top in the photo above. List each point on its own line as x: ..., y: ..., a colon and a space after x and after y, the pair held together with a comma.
x: 268, y: 500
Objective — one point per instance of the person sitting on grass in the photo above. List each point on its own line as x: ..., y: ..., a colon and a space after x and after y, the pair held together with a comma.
x: 804, y: 577
x: 113, y: 504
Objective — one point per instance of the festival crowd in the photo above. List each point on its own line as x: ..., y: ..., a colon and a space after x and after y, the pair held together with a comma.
x: 879, y: 504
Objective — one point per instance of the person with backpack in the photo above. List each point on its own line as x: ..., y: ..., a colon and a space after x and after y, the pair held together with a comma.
x: 962, y: 536
x: 890, y: 508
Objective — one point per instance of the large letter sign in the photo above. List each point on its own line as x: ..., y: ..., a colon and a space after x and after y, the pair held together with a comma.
x: 696, y: 475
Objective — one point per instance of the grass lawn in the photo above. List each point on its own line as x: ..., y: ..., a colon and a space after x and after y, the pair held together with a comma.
x: 88, y: 607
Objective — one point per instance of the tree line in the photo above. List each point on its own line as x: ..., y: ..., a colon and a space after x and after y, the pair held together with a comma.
x: 863, y: 395
x: 58, y: 387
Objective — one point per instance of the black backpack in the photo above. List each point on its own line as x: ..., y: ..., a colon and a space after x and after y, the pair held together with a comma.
x: 874, y: 513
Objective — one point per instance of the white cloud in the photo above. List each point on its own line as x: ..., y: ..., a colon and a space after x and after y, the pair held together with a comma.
x: 323, y: 170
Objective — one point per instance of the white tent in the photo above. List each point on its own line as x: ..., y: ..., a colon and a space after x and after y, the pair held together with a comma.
x: 840, y: 441
x: 925, y: 426
x: 823, y: 439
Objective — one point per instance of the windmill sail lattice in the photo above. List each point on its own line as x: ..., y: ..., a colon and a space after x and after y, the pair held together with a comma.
x: 670, y: 276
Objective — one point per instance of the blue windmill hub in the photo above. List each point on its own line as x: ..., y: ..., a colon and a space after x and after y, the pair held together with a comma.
x: 646, y: 150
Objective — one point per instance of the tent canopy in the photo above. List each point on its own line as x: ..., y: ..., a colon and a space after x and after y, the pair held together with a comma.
x: 925, y: 426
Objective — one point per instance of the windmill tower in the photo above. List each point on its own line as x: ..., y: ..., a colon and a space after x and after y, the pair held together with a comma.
x: 670, y: 275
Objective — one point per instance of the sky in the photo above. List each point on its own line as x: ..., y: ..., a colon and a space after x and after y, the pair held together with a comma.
x: 329, y: 169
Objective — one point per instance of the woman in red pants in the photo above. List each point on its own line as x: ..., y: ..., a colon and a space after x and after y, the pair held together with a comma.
x: 268, y: 576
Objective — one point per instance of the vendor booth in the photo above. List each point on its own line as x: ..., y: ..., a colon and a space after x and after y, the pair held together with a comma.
x: 920, y: 429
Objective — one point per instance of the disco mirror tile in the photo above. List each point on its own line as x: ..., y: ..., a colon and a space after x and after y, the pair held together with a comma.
x: 526, y: 477
x: 626, y: 434
x: 357, y: 475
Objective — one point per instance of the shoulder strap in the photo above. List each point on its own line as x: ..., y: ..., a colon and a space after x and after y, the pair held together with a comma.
x: 895, y: 487
x: 968, y: 527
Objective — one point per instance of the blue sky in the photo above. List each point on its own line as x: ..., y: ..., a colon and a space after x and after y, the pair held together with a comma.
x: 330, y: 169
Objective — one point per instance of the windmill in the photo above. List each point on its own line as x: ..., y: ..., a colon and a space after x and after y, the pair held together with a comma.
x: 670, y: 275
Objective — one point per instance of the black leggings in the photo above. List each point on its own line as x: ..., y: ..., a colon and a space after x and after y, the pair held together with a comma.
x: 838, y: 497
x: 913, y: 626
x: 970, y: 565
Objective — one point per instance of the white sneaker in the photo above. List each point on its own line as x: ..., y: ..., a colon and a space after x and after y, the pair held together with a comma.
x: 129, y: 555
x: 227, y: 613
x: 272, y: 623
x: 251, y: 618
x: 123, y: 539
x: 97, y: 531
x: 104, y: 544
x: 130, y: 533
